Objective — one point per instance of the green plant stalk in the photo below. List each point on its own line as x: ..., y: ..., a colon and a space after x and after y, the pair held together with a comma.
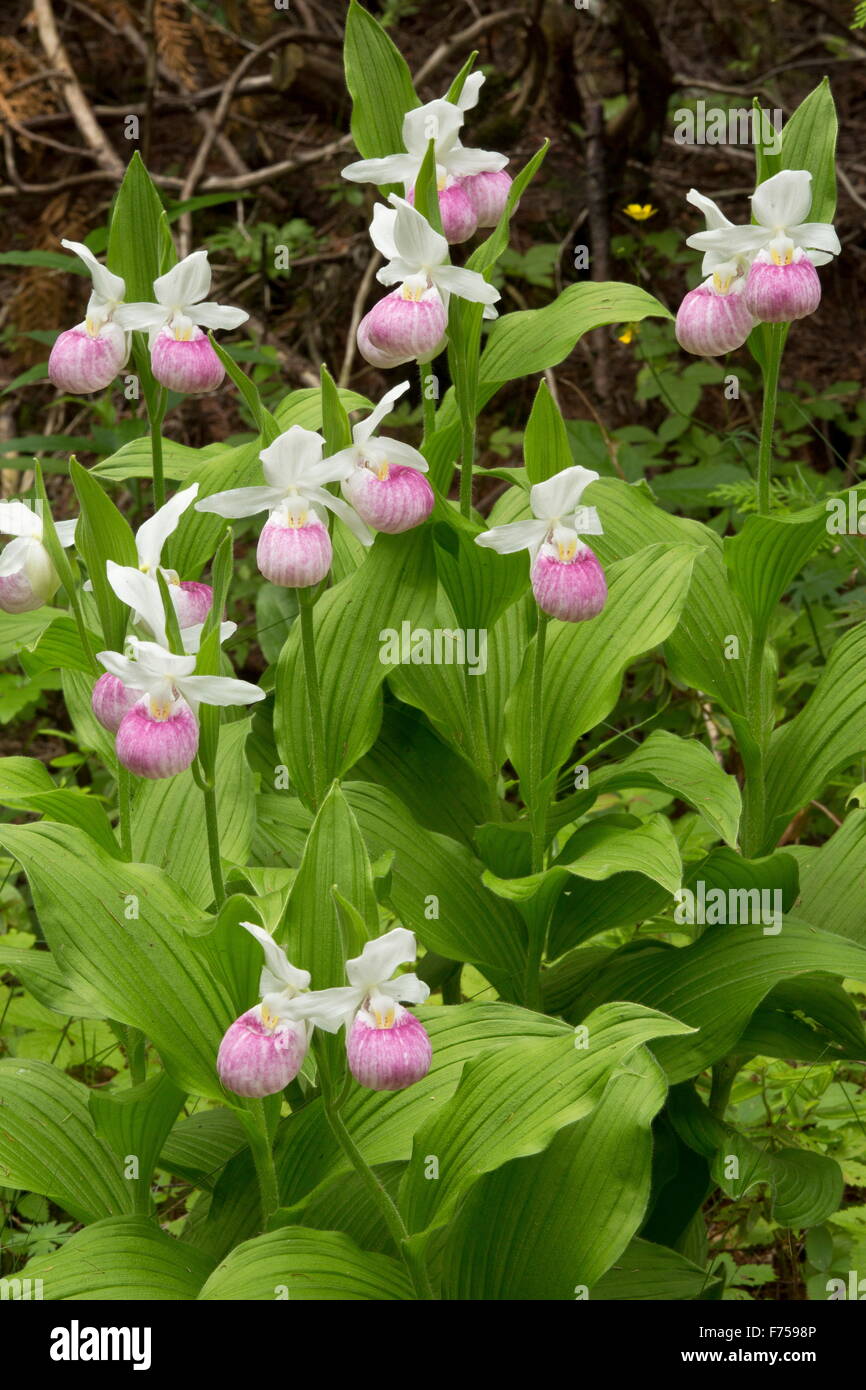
x: 314, y: 693
x: 156, y: 415
x: 213, y: 841
x: 768, y: 414
x: 390, y: 1215
x: 467, y: 461
x: 124, y: 806
x: 537, y: 810
x: 255, y: 1123
x: 724, y: 1074
x: 135, y: 1056
x: 755, y: 764
x: 428, y: 402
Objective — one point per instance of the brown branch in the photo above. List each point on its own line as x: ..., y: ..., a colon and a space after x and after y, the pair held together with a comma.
x: 77, y: 102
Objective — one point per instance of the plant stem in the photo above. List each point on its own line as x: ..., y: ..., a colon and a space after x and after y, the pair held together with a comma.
x: 724, y: 1074
x: 255, y: 1123
x: 124, y: 806
x: 213, y: 842
x: 428, y: 402
x: 768, y: 415
x: 467, y: 461
x: 314, y: 693
x: 157, y: 415
x: 538, y: 804
x: 390, y: 1215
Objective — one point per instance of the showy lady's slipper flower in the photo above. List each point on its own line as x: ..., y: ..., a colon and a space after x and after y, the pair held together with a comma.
x: 463, y: 200
x: 110, y: 699
x: 784, y: 249
x: 181, y: 356
x: 294, y: 547
x: 88, y: 357
x: 158, y: 736
x: 264, y: 1049
x: 384, y: 479
x: 28, y: 578
x: 192, y: 601
x: 715, y: 318
x: 387, y: 1047
x: 567, y: 580
x: 409, y: 324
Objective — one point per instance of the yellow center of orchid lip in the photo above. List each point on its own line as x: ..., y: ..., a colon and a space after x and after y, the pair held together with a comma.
x: 567, y: 550
x: 639, y: 212
x: 779, y: 259
x: 297, y: 519
x: 385, y: 1020
x: 413, y: 292
x: 160, y: 709
x: 183, y: 335
x: 268, y: 1019
x: 91, y: 328
x: 722, y: 283
x: 383, y: 470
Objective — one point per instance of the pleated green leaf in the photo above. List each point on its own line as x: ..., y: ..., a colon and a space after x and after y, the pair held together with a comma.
x: 379, y: 84
x: 48, y: 1142
x: 128, y: 1259
x: 306, y: 1266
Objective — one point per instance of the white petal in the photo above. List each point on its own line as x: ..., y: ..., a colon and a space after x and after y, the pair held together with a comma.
x: 406, y: 988
x: 461, y: 162
x: 345, y: 460
x: 241, y: 501
x: 395, y: 451
x: 278, y: 965
x: 155, y: 659
x: 417, y: 243
x: 17, y: 519
x: 560, y: 494
x: 816, y: 236
x: 394, y: 168
x: 66, y: 532
x: 133, y: 676
x: 783, y: 200
x: 587, y: 522
x: 362, y: 431
x: 106, y: 284
x: 219, y: 690
x: 729, y: 241
x: 140, y: 592
x: 471, y: 89
x: 466, y: 284
x: 191, y: 636
x: 715, y: 218
x: 152, y: 536
x: 216, y: 315
x: 140, y: 316
x: 513, y: 536
x: 328, y: 1009
x: 288, y: 461
x: 819, y: 257
x: 14, y: 556
x: 382, y: 230
x: 380, y: 958
x: 439, y: 121
x: 186, y: 283
x: 347, y: 514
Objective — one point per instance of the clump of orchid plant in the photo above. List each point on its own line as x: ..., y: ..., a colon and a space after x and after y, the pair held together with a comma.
x: 567, y: 580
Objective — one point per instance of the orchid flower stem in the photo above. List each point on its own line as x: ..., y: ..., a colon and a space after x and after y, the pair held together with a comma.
x: 428, y: 401
x: 388, y: 1210
x: 314, y: 693
x: 760, y: 722
x: 255, y: 1124
x: 768, y: 414
x: 538, y: 807
x: 213, y: 842
x: 157, y: 416
x: 466, y: 466
x: 135, y: 1056
x: 124, y: 806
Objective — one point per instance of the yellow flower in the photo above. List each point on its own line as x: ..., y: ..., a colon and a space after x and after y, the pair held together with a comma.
x: 628, y: 334
x: 639, y: 212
